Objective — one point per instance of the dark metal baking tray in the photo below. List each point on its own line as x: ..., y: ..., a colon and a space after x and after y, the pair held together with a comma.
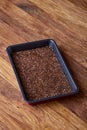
x: 38, y: 44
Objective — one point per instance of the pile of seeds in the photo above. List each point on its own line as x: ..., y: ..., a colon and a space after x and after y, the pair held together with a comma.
x: 41, y: 73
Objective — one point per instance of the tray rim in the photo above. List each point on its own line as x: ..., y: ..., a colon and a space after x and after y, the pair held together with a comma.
x: 76, y: 90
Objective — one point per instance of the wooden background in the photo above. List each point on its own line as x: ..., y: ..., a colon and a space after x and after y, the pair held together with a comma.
x: 28, y: 20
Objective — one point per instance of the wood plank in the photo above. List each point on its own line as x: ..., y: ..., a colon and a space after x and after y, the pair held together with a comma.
x: 29, y: 20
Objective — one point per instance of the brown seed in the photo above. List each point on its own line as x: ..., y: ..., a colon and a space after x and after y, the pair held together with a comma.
x: 41, y: 73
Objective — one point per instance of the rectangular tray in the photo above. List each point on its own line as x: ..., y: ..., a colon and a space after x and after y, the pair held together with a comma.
x: 38, y: 44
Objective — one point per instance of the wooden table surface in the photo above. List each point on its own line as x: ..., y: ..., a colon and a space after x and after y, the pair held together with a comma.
x: 65, y: 21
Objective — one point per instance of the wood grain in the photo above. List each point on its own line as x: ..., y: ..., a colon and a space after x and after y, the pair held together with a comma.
x: 30, y: 20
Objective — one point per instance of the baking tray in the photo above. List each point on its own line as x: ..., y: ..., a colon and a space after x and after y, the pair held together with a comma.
x: 38, y: 44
